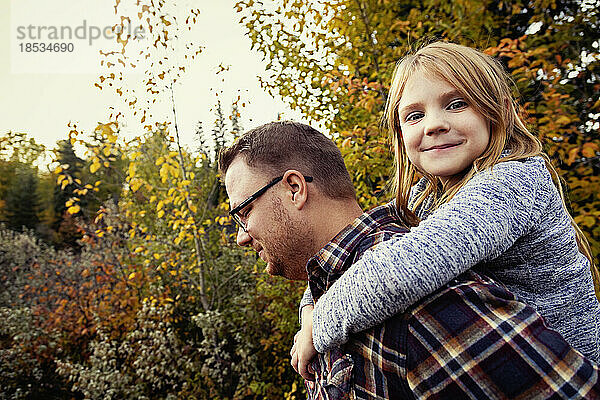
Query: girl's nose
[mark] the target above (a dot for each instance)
(435, 124)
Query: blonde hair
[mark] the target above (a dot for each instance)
(486, 87)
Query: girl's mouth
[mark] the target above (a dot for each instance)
(442, 146)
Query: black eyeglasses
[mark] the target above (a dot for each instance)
(235, 212)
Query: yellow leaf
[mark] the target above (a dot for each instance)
(131, 169)
(74, 209)
(135, 185)
(94, 167)
(138, 249)
(160, 214)
(589, 221)
(131, 276)
(99, 218)
(589, 150)
(164, 172)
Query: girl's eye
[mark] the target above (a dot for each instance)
(413, 116)
(457, 105)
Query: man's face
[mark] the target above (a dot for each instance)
(282, 240)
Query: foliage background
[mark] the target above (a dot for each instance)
(119, 274)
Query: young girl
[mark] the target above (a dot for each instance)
(489, 199)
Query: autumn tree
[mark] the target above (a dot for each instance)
(18, 147)
(333, 61)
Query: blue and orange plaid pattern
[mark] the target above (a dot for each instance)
(472, 339)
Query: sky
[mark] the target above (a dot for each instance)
(42, 93)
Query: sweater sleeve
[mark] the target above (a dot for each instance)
(306, 300)
(484, 219)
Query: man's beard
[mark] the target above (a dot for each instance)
(290, 245)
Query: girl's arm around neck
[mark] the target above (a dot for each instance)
(306, 300)
(481, 222)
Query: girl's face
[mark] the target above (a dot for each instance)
(442, 133)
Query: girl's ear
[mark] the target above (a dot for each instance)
(296, 188)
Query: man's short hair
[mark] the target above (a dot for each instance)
(276, 147)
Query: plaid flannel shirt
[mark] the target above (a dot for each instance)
(470, 339)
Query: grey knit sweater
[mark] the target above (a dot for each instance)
(508, 223)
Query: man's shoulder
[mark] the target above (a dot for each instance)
(385, 222)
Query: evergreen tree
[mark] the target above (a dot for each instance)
(19, 181)
(65, 155)
(64, 223)
(21, 199)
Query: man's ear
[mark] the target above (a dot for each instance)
(296, 188)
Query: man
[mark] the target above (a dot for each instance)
(295, 205)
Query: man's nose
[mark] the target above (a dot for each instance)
(436, 123)
(243, 238)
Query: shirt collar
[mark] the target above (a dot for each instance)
(334, 255)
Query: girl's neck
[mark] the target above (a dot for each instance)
(447, 182)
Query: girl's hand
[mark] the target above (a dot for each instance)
(303, 350)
